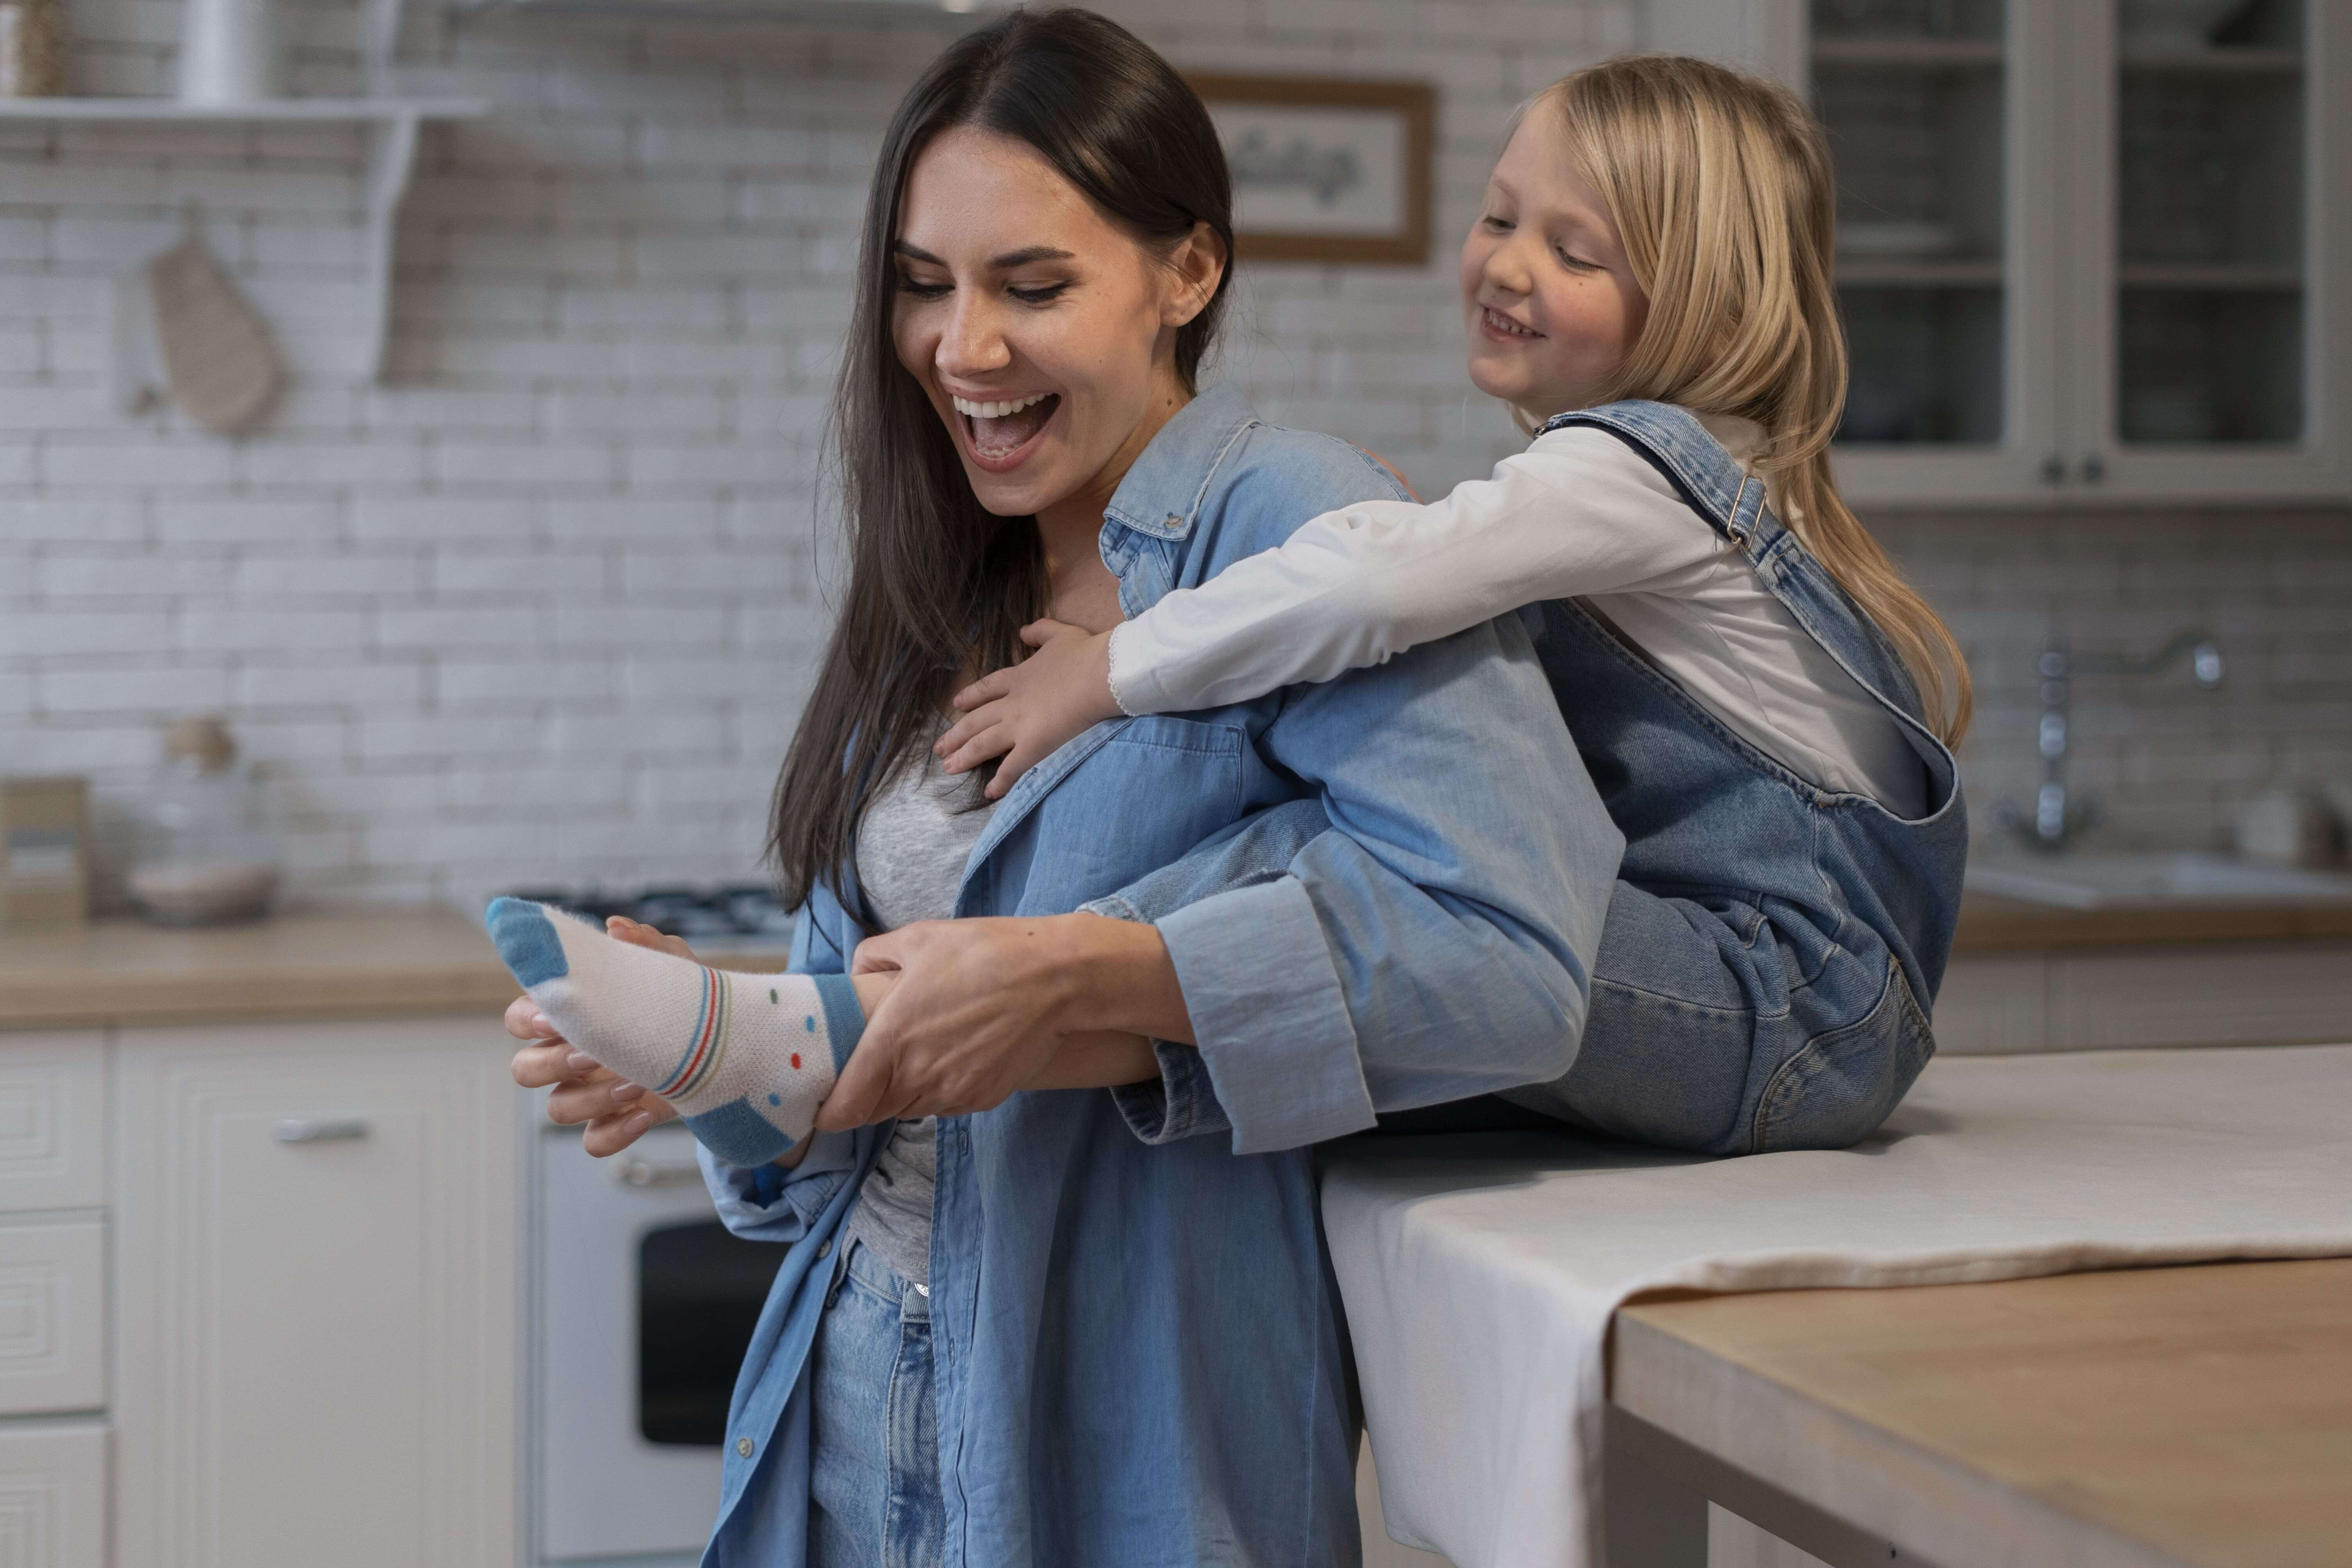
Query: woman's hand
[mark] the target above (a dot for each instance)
(1024, 713)
(986, 1007)
(616, 1111)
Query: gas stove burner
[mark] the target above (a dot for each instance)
(743, 916)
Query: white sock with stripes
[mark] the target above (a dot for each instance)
(746, 1058)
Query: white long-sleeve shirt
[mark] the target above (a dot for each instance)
(1580, 515)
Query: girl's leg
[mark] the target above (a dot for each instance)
(1728, 1027)
(875, 1498)
(1736, 1029)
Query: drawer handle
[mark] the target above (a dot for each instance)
(319, 1129)
(654, 1173)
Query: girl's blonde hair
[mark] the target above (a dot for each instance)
(1720, 189)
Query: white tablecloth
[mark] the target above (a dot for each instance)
(1480, 1273)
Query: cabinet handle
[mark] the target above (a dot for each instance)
(319, 1129)
(2054, 469)
(2095, 468)
(654, 1173)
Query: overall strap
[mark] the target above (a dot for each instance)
(1730, 498)
(1734, 503)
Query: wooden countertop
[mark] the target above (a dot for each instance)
(372, 964)
(2143, 1417)
(385, 962)
(2009, 925)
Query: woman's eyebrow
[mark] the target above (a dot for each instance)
(1004, 263)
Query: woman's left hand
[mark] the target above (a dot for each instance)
(985, 1006)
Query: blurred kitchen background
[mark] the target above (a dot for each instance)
(491, 552)
(541, 600)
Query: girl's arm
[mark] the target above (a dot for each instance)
(1577, 513)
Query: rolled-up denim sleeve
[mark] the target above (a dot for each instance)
(1437, 942)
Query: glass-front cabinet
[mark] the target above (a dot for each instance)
(2089, 250)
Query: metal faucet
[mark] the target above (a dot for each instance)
(2057, 818)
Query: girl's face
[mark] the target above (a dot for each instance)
(1552, 306)
(1043, 334)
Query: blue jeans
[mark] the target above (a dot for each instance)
(875, 1500)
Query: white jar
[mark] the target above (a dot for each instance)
(232, 51)
(212, 844)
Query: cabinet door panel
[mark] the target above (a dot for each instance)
(2250, 996)
(52, 1120)
(1994, 1004)
(318, 1230)
(52, 1318)
(53, 1496)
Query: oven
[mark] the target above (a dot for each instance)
(644, 1306)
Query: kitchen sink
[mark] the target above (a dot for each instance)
(2124, 882)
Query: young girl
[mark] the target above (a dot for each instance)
(1766, 706)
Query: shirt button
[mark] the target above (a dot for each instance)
(743, 1447)
(825, 1248)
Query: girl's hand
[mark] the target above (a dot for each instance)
(1026, 711)
(616, 1111)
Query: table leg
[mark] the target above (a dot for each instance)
(1650, 1519)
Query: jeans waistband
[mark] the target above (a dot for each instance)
(863, 1264)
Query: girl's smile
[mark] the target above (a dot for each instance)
(1503, 329)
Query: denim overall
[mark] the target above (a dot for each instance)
(1772, 948)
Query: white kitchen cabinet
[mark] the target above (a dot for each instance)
(52, 1318)
(2221, 995)
(53, 1496)
(52, 1120)
(317, 1303)
(2083, 261)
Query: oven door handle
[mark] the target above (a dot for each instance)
(634, 1172)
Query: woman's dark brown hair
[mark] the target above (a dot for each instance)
(935, 581)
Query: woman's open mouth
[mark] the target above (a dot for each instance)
(1001, 434)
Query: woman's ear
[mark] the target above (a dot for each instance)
(1195, 267)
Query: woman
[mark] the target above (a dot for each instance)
(1124, 1346)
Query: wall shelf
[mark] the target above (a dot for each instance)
(1930, 53)
(1859, 272)
(347, 111)
(391, 155)
(2219, 277)
(2230, 60)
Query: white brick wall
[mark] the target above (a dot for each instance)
(2168, 760)
(546, 606)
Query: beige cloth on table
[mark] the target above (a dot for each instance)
(1480, 1273)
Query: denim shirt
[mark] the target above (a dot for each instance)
(1140, 1351)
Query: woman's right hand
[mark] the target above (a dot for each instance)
(615, 1112)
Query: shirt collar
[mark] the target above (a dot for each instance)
(1162, 494)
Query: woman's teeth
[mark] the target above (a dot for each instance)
(1506, 326)
(966, 406)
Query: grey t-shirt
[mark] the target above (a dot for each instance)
(912, 849)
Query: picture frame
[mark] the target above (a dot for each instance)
(1327, 169)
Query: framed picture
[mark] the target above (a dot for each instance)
(1325, 169)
